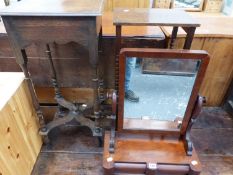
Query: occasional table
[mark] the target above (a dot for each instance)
(153, 17)
(46, 22)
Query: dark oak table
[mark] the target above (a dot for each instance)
(46, 22)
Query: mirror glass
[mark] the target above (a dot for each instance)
(188, 4)
(157, 92)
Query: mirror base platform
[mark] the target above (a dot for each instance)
(148, 154)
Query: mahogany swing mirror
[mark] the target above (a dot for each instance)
(156, 110)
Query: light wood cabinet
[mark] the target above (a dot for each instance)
(20, 141)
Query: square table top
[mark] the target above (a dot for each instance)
(154, 17)
(54, 8)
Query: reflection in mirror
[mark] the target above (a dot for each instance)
(188, 4)
(153, 94)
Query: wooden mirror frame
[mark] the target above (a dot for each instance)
(162, 54)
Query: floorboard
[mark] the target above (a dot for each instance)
(213, 117)
(73, 151)
(68, 164)
(216, 165)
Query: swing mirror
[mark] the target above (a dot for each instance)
(158, 91)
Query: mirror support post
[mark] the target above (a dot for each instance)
(196, 111)
(113, 97)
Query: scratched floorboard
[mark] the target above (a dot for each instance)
(216, 165)
(74, 152)
(68, 164)
(73, 139)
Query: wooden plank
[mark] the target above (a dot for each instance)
(213, 165)
(11, 147)
(18, 127)
(66, 139)
(73, 150)
(3, 169)
(68, 164)
(213, 117)
(212, 136)
(213, 141)
(220, 70)
(30, 123)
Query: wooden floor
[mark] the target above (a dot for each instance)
(74, 152)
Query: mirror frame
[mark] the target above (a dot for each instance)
(162, 54)
(189, 9)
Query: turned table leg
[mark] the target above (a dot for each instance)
(24, 67)
(189, 38)
(173, 37)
